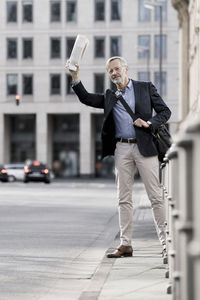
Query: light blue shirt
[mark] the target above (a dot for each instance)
(123, 122)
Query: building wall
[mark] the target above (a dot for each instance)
(42, 103)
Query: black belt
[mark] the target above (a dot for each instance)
(131, 141)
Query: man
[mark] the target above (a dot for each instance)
(130, 142)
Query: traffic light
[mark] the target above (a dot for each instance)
(17, 98)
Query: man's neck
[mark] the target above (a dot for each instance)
(122, 86)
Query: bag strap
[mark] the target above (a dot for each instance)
(126, 106)
(118, 94)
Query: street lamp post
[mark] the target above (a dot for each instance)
(152, 5)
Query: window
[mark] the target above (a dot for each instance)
(69, 89)
(115, 46)
(69, 45)
(71, 11)
(143, 46)
(55, 48)
(27, 11)
(99, 10)
(99, 83)
(27, 48)
(115, 10)
(164, 10)
(11, 84)
(157, 46)
(11, 11)
(11, 48)
(144, 13)
(55, 84)
(99, 47)
(55, 11)
(27, 84)
(164, 82)
(143, 76)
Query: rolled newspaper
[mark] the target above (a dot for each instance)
(78, 51)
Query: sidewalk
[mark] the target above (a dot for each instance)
(141, 277)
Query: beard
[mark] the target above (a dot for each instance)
(118, 79)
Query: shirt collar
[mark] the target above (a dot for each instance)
(129, 86)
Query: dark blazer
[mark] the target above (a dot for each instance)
(146, 99)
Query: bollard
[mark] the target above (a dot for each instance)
(173, 215)
(185, 226)
(194, 245)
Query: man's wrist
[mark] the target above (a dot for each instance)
(74, 83)
(75, 79)
(150, 124)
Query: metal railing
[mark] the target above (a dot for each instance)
(181, 193)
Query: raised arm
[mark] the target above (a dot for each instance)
(90, 99)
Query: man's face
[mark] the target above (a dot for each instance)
(117, 72)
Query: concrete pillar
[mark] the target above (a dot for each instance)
(4, 139)
(41, 137)
(87, 167)
(182, 7)
(1, 138)
(7, 139)
(49, 141)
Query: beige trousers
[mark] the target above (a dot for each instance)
(127, 157)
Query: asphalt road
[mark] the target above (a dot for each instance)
(53, 237)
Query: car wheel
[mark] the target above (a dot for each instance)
(11, 178)
(47, 181)
(25, 181)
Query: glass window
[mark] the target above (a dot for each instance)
(55, 48)
(143, 76)
(55, 11)
(115, 46)
(115, 10)
(99, 47)
(99, 83)
(143, 46)
(27, 11)
(11, 48)
(69, 89)
(163, 3)
(27, 48)
(22, 137)
(11, 11)
(65, 144)
(69, 46)
(99, 10)
(27, 84)
(144, 13)
(71, 11)
(55, 84)
(11, 84)
(157, 46)
(164, 82)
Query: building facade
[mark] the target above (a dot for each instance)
(37, 37)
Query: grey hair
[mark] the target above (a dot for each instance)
(121, 59)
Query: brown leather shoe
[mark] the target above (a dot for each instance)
(122, 251)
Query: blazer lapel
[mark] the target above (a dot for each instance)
(136, 88)
(111, 102)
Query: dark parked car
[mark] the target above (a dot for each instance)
(3, 174)
(36, 171)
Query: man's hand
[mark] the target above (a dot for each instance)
(141, 123)
(74, 74)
